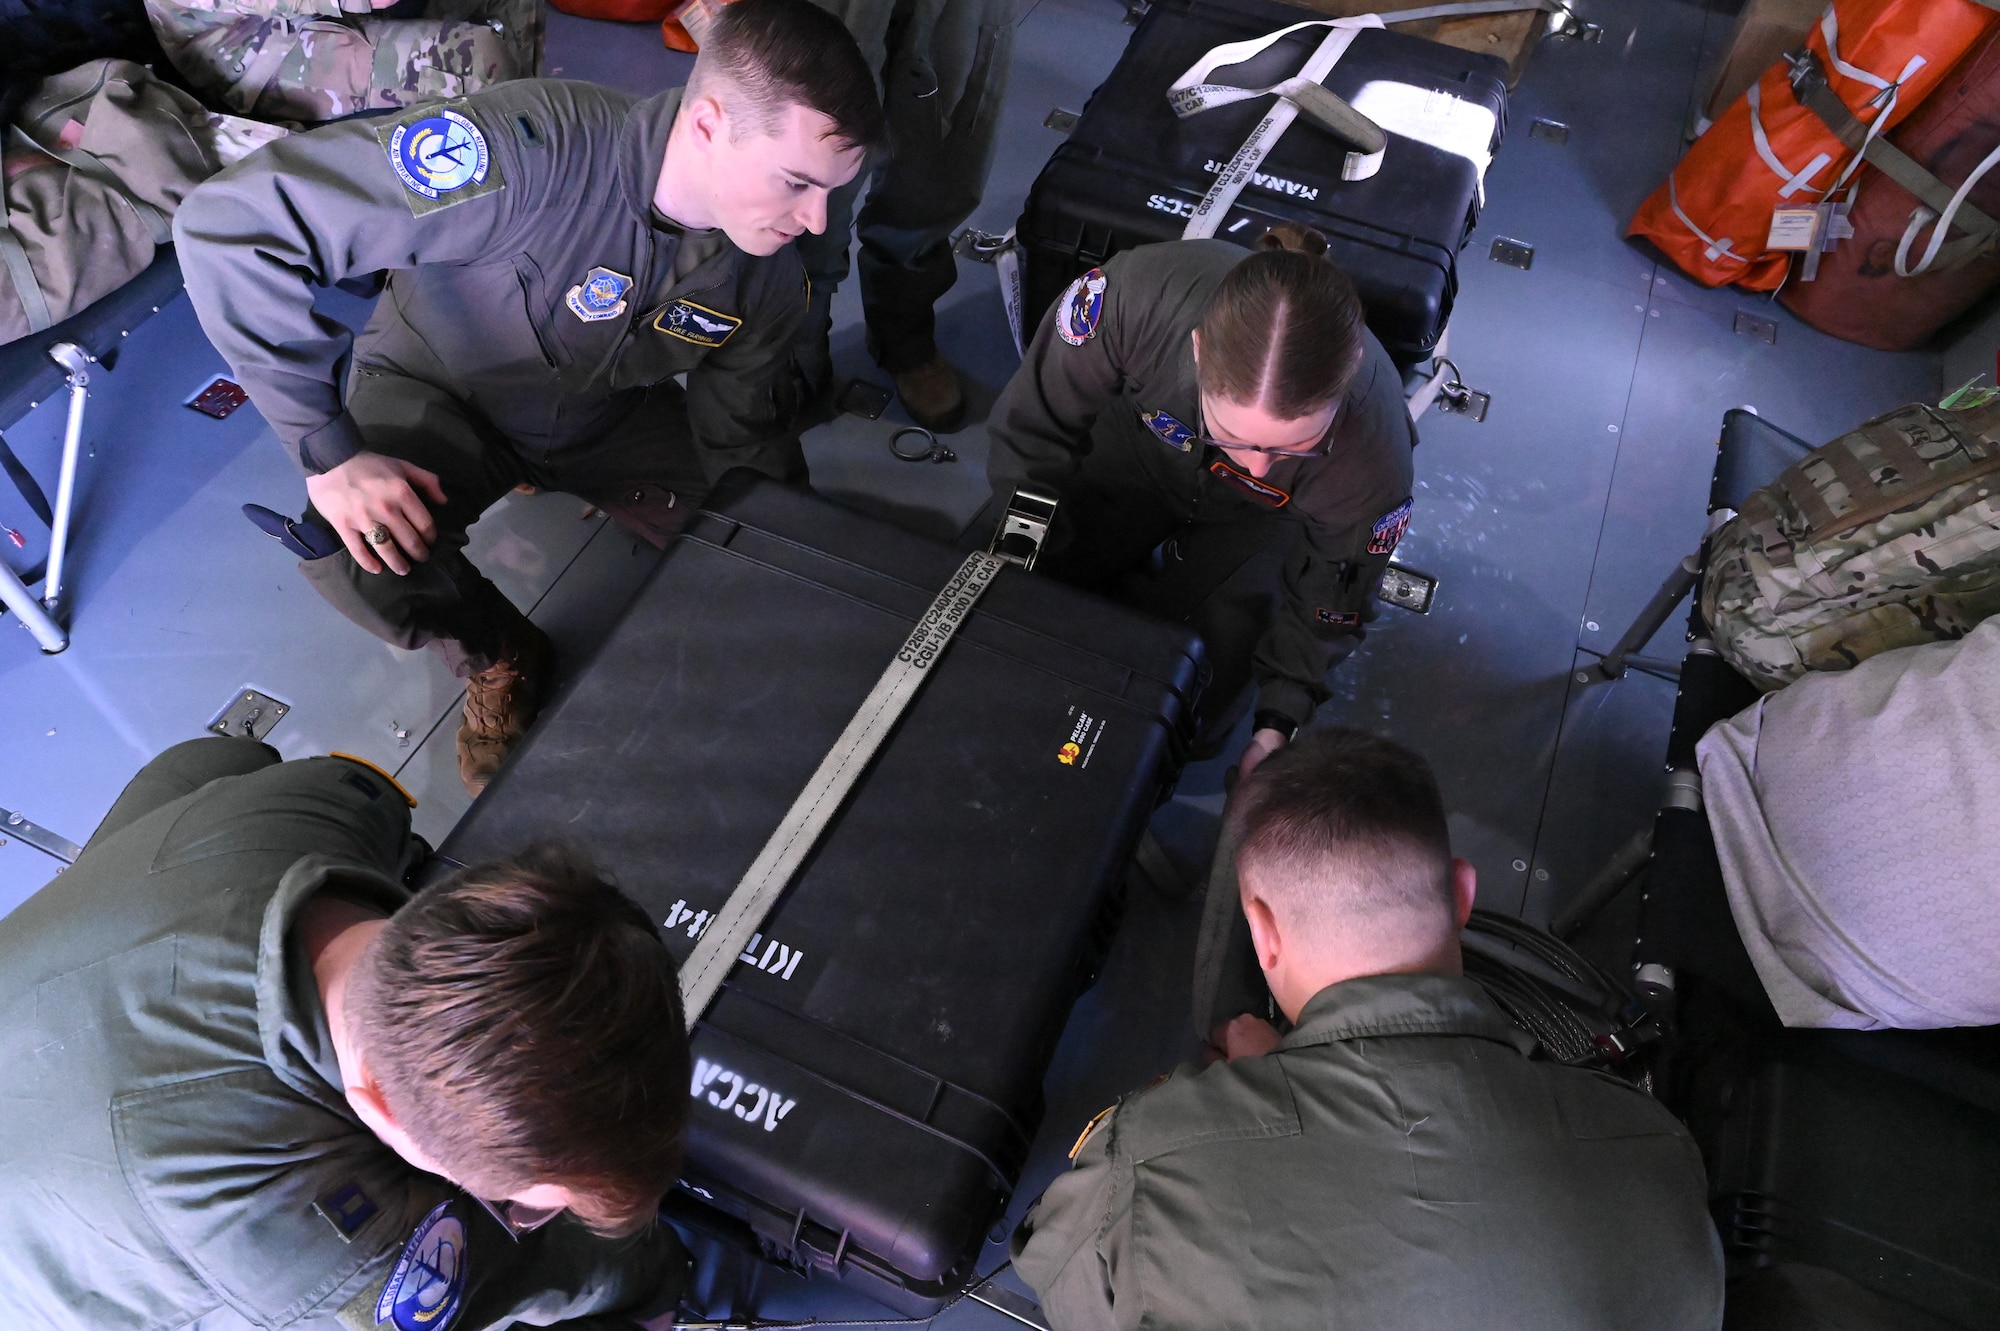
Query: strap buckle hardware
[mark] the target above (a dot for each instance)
(1023, 528)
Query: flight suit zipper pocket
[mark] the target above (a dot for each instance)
(529, 279)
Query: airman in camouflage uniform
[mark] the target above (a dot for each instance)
(314, 60)
(1887, 537)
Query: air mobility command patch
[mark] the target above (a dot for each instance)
(427, 1287)
(441, 157)
(1170, 431)
(601, 295)
(1080, 308)
(696, 323)
(1389, 529)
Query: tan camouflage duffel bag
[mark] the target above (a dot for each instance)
(1887, 537)
(91, 172)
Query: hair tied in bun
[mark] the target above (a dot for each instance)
(1293, 236)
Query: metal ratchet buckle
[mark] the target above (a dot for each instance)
(1023, 528)
(931, 451)
(980, 246)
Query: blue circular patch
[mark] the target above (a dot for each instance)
(428, 1284)
(439, 154)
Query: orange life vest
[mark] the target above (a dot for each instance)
(1882, 58)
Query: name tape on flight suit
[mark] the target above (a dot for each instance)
(442, 159)
(722, 942)
(1261, 491)
(696, 323)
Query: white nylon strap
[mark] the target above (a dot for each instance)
(771, 872)
(1007, 266)
(1717, 249)
(1829, 27)
(1923, 215)
(1193, 94)
(1881, 120)
(1794, 180)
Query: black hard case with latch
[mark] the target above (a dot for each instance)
(1131, 172)
(870, 1078)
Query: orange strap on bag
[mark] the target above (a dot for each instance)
(1712, 217)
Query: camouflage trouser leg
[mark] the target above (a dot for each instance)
(520, 26)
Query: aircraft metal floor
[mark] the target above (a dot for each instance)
(1549, 525)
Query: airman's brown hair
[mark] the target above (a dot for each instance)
(523, 1021)
(1346, 831)
(1283, 330)
(760, 56)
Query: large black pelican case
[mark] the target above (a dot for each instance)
(1131, 172)
(868, 1082)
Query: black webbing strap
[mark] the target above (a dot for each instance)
(1809, 85)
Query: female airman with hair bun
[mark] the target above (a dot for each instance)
(1231, 448)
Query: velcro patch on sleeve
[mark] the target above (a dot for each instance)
(1080, 309)
(1389, 529)
(425, 1290)
(441, 157)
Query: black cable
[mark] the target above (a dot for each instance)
(1564, 1024)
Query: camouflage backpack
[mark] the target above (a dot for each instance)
(1887, 537)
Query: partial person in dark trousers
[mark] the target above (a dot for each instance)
(252, 1081)
(1231, 448)
(559, 254)
(943, 66)
(1396, 1159)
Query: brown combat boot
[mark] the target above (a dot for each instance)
(501, 702)
(932, 396)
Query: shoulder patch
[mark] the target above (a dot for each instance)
(696, 323)
(1389, 529)
(1080, 308)
(1171, 432)
(441, 157)
(427, 1287)
(601, 295)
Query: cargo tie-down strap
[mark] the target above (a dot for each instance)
(1360, 128)
(1938, 201)
(765, 881)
